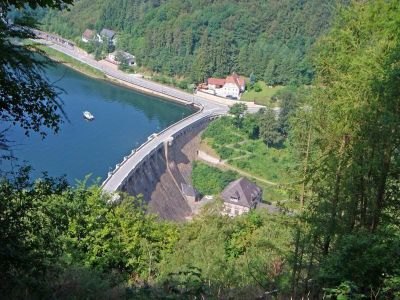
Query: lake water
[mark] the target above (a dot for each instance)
(123, 120)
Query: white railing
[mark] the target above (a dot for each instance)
(152, 86)
(159, 135)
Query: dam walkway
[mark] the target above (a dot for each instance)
(123, 171)
(207, 109)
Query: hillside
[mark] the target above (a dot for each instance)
(200, 38)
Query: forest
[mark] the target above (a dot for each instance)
(343, 242)
(198, 39)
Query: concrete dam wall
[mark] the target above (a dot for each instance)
(160, 176)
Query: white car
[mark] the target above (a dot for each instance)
(152, 136)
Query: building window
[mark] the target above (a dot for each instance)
(234, 199)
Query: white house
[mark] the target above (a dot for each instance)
(230, 87)
(240, 196)
(113, 58)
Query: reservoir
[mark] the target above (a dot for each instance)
(123, 121)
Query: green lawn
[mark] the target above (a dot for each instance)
(263, 97)
(210, 180)
(68, 60)
(251, 156)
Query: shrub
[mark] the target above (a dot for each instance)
(183, 84)
(257, 87)
(209, 180)
(225, 152)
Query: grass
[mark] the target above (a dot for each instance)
(210, 180)
(251, 156)
(263, 97)
(73, 63)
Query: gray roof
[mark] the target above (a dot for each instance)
(108, 33)
(126, 55)
(243, 190)
(188, 190)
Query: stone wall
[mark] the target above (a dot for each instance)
(160, 176)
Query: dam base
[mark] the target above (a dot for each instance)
(160, 177)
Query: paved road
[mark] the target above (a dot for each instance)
(209, 107)
(143, 83)
(114, 181)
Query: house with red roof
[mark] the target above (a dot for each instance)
(88, 35)
(229, 87)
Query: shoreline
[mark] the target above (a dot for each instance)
(109, 79)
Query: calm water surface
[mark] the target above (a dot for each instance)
(123, 120)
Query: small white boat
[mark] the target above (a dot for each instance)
(88, 116)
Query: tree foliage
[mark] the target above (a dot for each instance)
(238, 110)
(269, 127)
(211, 181)
(198, 39)
(351, 168)
(47, 228)
(27, 98)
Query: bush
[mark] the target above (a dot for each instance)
(221, 132)
(84, 283)
(209, 180)
(225, 152)
(183, 84)
(257, 87)
(242, 164)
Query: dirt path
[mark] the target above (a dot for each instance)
(222, 164)
(241, 172)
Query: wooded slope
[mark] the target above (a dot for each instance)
(200, 38)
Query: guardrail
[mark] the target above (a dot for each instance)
(135, 151)
(180, 95)
(69, 47)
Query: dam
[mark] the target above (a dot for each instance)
(160, 167)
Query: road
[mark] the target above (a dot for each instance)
(114, 181)
(208, 108)
(140, 82)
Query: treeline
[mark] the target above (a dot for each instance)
(59, 242)
(197, 39)
(344, 243)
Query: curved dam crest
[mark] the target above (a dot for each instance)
(160, 167)
(160, 174)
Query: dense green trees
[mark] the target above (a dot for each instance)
(48, 228)
(237, 111)
(198, 39)
(269, 127)
(351, 169)
(344, 243)
(239, 258)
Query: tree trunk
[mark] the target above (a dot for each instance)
(303, 188)
(335, 199)
(380, 195)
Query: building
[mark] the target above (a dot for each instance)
(129, 58)
(88, 35)
(109, 34)
(230, 87)
(189, 192)
(240, 196)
